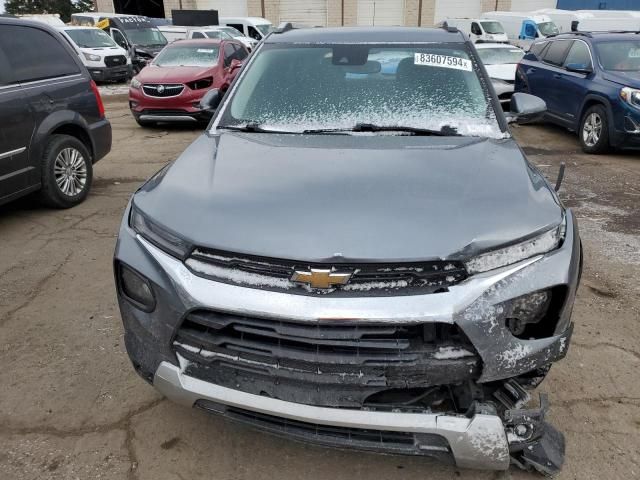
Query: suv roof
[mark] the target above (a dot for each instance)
(611, 35)
(367, 35)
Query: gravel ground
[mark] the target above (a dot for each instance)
(72, 407)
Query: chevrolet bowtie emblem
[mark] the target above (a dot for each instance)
(320, 278)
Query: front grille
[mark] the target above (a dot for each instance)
(351, 359)
(366, 279)
(162, 90)
(115, 61)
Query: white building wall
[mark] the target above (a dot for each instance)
(528, 5)
(225, 8)
(456, 8)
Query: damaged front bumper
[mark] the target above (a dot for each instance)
(343, 401)
(479, 440)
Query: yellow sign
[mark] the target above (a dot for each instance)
(102, 24)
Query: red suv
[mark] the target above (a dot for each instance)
(169, 89)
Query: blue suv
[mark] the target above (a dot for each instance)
(591, 83)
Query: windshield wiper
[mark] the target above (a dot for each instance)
(252, 127)
(445, 131)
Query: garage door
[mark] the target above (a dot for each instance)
(226, 8)
(528, 5)
(380, 12)
(456, 9)
(312, 13)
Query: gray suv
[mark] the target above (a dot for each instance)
(52, 123)
(357, 253)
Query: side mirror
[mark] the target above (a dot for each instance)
(211, 100)
(526, 108)
(579, 68)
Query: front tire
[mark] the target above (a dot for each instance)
(594, 130)
(67, 172)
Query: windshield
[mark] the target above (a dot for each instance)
(548, 28)
(298, 88)
(619, 56)
(493, 28)
(187, 56)
(232, 31)
(265, 28)
(90, 38)
(146, 37)
(499, 56)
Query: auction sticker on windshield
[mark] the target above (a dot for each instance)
(444, 61)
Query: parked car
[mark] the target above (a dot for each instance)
(501, 61)
(591, 85)
(53, 128)
(175, 32)
(170, 88)
(134, 33)
(104, 59)
(356, 259)
(253, 27)
(479, 29)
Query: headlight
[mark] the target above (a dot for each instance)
(502, 257)
(631, 96)
(135, 83)
(158, 235)
(91, 57)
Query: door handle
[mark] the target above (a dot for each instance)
(530, 70)
(557, 75)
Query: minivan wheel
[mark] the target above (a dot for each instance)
(67, 172)
(594, 130)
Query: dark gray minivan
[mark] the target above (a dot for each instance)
(52, 123)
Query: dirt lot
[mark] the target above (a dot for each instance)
(72, 407)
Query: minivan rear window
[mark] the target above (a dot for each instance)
(34, 54)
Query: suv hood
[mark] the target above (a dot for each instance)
(153, 74)
(368, 198)
(628, 79)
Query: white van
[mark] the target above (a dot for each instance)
(253, 27)
(175, 32)
(522, 28)
(591, 20)
(52, 19)
(479, 30)
(104, 59)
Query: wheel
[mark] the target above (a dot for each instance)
(594, 130)
(67, 172)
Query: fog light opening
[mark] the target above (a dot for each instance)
(136, 288)
(534, 315)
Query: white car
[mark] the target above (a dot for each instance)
(501, 61)
(175, 32)
(103, 57)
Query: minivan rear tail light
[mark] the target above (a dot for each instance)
(96, 92)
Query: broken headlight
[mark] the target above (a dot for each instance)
(159, 236)
(543, 243)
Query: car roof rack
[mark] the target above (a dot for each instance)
(449, 29)
(579, 33)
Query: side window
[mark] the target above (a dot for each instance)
(237, 26)
(475, 29)
(253, 33)
(556, 52)
(530, 31)
(118, 37)
(229, 53)
(538, 48)
(241, 52)
(4, 68)
(578, 54)
(34, 54)
(198, 35)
